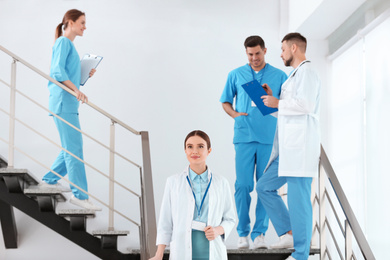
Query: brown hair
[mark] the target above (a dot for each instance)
(201, 134)
(73, 15)
(296, 38)
(253, 41)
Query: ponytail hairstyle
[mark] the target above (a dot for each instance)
(73, 15)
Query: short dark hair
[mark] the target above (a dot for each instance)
(296, 38)
(201, 134)
(253, 41)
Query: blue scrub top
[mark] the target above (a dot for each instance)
(65, 65)
(255, 127)
(199, 186)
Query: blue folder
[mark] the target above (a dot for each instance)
(255, 92)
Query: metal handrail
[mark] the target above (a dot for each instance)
(103, 112)
(346, 207)
(334, 239)
(147, 228)
(79, 159)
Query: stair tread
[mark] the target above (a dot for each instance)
(110, 232)
(267, 251)
(48, 191)
(24, 173)
(248, 251)
(57, 193)
(75, 212)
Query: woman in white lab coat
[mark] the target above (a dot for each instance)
(197, 212)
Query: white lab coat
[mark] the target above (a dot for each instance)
(297, 137)
(177, 211)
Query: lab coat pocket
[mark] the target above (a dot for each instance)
(294, 136)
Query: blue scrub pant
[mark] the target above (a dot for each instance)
(250, 157)
(72, 141)
(298, 216)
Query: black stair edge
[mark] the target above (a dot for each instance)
(77, 212)
(60, 225)
(3, 162)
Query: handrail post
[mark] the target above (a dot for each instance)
(12, 116)
(322, 210)
(112, 173)
(148, 214)
(348, 241)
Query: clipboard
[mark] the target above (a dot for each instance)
(255, 92)
(88, 62)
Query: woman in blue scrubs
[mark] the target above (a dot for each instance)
(197, 211)
(65, 68)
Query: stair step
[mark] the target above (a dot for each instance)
(110, 233)
(17, 179)
(47, 198)
(247, 254)
(78, 217)
(76, 212)
(109, 238)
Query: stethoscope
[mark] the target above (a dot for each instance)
(295, 71)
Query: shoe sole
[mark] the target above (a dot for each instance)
(261, 247)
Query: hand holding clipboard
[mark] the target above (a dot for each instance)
(88, 63)
(255, 92)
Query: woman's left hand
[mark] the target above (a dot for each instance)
(92, 72)
(213, 232)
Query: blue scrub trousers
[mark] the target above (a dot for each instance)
(72, 141)
(298, 216)
(250, 157)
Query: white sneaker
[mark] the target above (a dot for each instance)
(290, 258)
(259, 242)
(243, 243)
(84, 203)
(285, 241)
(57, 186)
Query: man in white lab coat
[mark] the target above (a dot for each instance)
(296, 150)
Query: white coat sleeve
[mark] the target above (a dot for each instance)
(228, 217)
(306, 95)
(165, 224)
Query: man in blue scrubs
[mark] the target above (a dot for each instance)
(253, 135)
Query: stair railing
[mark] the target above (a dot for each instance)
(147, 227)
(351, 228)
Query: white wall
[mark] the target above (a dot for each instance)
(165, 65)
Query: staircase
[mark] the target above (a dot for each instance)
(40, 205)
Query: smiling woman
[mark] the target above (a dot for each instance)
(197, 209)
(65, 68)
